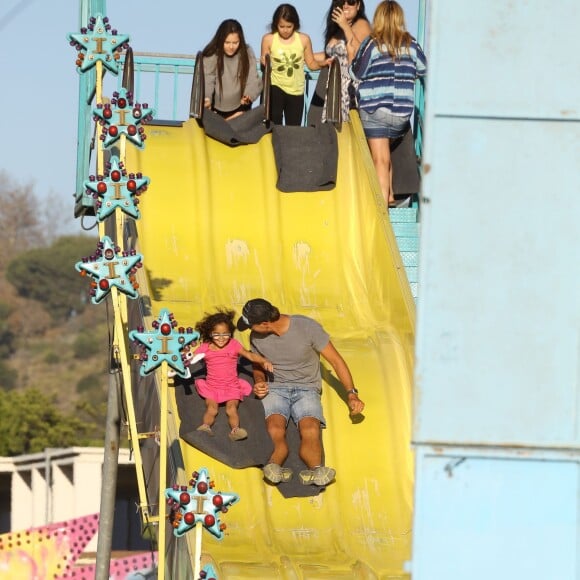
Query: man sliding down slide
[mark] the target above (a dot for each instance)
(294, 343)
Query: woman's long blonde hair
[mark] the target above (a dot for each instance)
(389, 28)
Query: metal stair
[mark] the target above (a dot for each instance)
(405, 224)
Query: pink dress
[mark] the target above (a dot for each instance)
(222, 382)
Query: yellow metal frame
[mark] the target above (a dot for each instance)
(122, 355)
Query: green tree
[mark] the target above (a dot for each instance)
(92, 384)
(48, 275)
(86, 344)
(7, 337)
(8, 377)
(94, 416)
(31, 422)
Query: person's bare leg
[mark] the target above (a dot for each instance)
(211, 411)
(237, 433)
(311, 454)
(232, 413)
(381, 154)
(276, 426)
(310, 443)
(391, 197)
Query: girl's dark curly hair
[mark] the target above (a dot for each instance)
(206, 325)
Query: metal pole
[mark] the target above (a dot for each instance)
(162, 523)
(422, 24)
(109, 479)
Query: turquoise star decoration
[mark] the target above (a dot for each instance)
(116, 190)
(163, 343)
(210, 573)
(122, 117)
(110, 268)
(198, 503)
(97, 43)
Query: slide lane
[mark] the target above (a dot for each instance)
(216, 231)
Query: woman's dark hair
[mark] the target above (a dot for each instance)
(206, 325)
(216, 47)
(285, 12)
(333, 30)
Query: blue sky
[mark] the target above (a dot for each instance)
(39, 96)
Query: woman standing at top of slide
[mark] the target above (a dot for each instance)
(346, 27)
(387, 64)
(289, 49)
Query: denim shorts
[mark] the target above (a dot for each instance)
(293, 401)
(382, 124)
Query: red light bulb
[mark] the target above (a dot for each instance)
(165, 328)
(209, 520)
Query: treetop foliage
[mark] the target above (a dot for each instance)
(31, 422)
(48, 275)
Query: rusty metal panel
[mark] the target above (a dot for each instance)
(493, 516)
(499, 275)
(496, 418)
(498, 324)
(504, 58)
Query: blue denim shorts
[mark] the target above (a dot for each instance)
(382, 124)
(293, 401)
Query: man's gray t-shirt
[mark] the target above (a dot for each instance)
(295, 354)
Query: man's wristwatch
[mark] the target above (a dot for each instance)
(352, 391)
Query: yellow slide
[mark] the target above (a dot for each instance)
(215, 231)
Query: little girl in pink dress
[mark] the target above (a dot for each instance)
(222, 383)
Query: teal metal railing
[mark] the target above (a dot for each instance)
(169, 83)
(419, 115)
(85, 126)
(168, 77)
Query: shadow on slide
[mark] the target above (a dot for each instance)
(215, 231)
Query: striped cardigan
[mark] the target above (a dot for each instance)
(385, 82)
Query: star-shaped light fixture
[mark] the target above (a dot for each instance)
(115, 190)
(110, 268)
(208, 572)
(198, 503)
(97, 43)
(163, 343)
(122, 117)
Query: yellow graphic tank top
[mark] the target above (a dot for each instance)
(288, 64)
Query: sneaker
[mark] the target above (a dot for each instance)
(400, 202)
(320, 475)
(275, 473)
(206, 429)
(238, 433)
